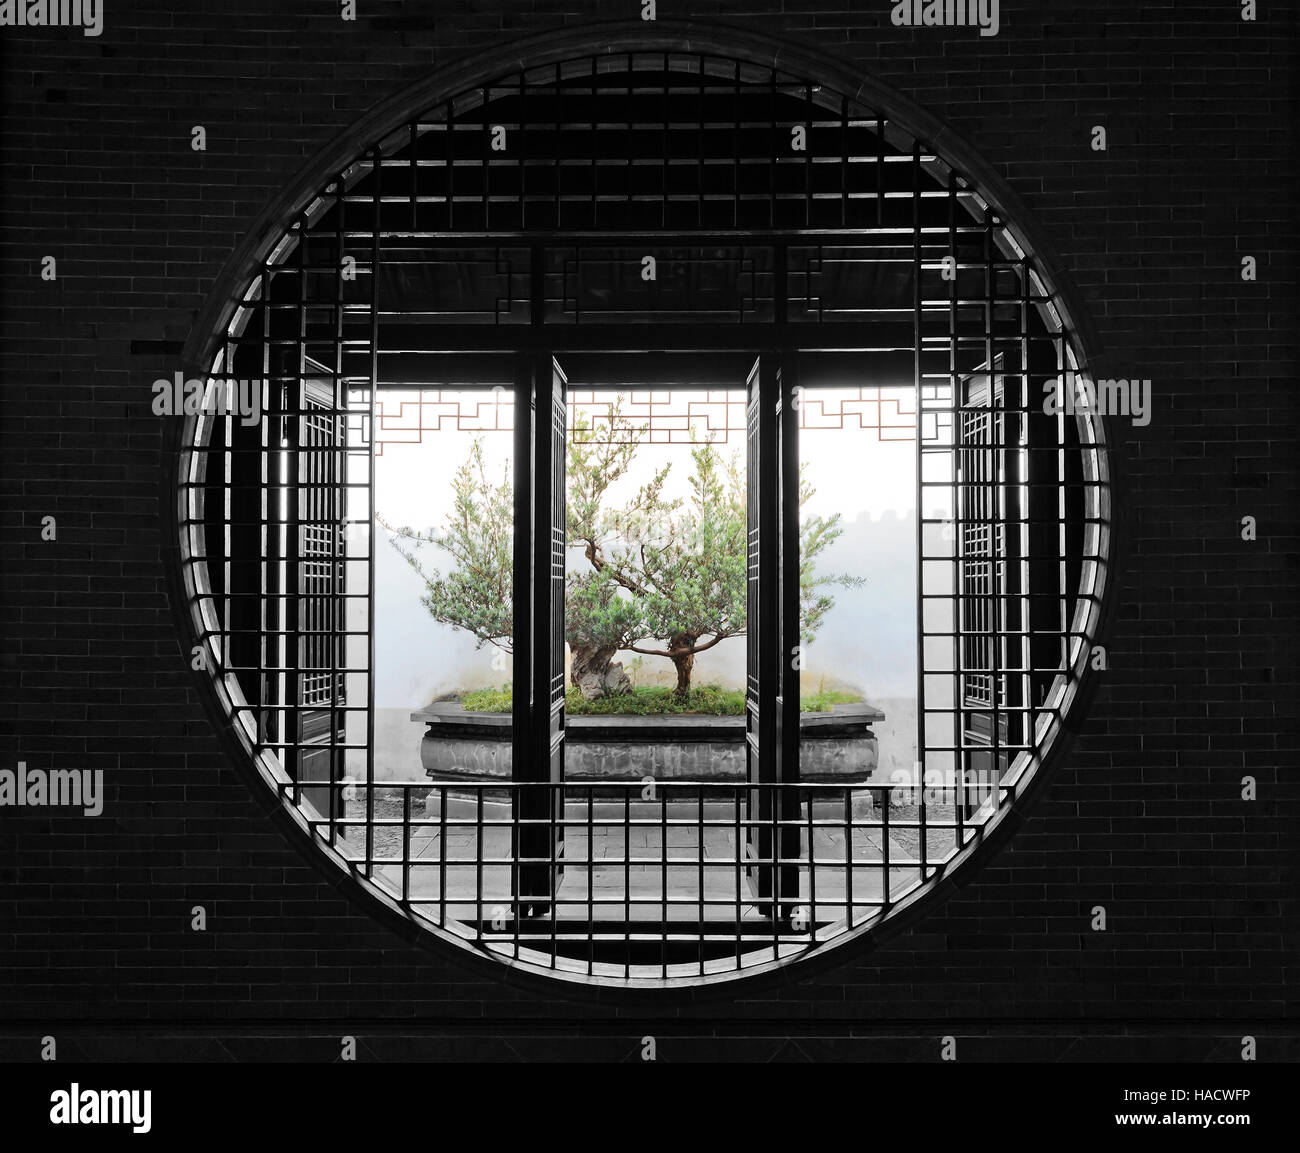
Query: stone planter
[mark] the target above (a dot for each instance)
(837, 746)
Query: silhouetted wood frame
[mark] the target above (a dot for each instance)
(537, 746)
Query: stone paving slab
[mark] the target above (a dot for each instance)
(628, 878)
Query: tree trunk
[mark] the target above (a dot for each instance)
(684, 662)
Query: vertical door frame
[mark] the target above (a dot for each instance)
(790, 655)
(762, 656)
(537, 713)
(772, 722)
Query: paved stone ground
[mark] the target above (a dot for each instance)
(629, 878)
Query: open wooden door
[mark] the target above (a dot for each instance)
(991, 571)
(303, 575)
(772, 628)
(321, 596)
(785, 738)
(760, 635)
(538, 746)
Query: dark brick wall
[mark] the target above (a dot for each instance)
(1144, 816)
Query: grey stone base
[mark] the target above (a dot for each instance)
(837, 746)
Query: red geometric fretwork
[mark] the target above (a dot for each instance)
(650, 416)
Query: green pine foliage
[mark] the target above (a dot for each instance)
(663, 578)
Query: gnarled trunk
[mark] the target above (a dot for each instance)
(683, 658)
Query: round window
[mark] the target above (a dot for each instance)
(635, 519)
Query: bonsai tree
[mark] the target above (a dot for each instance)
(475, 595)
(667, 570)
(688, 565)
(598, 623)
(604, 612)
(478, 537)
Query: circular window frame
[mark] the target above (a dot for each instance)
(1075, 688)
